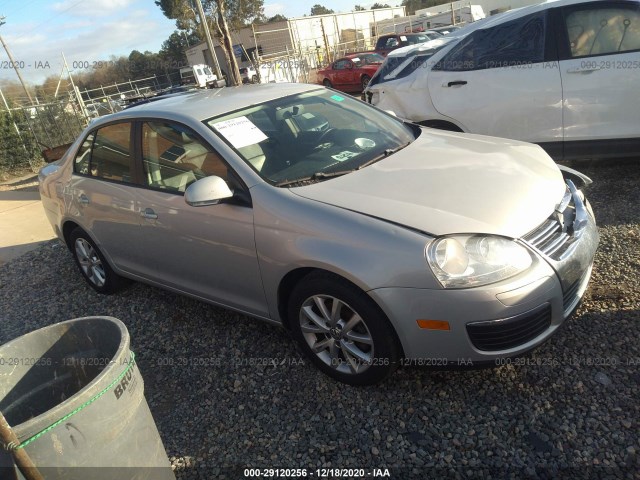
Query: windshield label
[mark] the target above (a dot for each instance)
(240, 132)
(337, 98)
(346, 155)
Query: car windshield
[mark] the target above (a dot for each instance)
(313, 136)
(413, 39)
(399, 66)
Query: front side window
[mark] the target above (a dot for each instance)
(519, 42)
(311, 136)
(111, 153)
(341, 65)
(174, 157)
(599, 31)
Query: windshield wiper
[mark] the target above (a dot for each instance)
(324, 175)
(385, 154)
(314, 177)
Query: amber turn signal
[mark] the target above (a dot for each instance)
(433, 324)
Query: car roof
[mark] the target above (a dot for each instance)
(204, 104)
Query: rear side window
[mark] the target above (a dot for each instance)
(106, 153)
(519, 42)
(81, 162)
(600, 31)
(111, 153)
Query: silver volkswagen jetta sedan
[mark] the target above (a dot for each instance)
(371, 239)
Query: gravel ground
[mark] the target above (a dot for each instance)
(229, 392)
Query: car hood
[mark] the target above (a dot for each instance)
(446, 183)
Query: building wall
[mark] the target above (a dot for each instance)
(318, 38)
(488, 6)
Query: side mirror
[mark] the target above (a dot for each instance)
(207, 191)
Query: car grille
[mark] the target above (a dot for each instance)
(550, 237)
(498, 335)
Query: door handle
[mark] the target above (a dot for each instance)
(149, 214)
(582, 69)
(83, 199)
(455, 82)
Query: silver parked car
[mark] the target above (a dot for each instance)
(373, 240)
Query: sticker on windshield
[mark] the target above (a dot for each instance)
(403, 38)
(346, 155)
(240, 132)
(337, 98)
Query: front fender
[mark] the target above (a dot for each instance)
(294, 232)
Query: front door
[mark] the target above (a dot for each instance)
(497, 82)
(205, 251)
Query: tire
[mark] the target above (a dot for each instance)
(327, 83)
(366, 361)
(92, 265)
(364, 81)
(254, 79)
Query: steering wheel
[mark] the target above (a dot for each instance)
(324, 135)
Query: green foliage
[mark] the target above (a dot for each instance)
(412, 5)
(277, 18)
(14, 154)
(380, 5)
(320, 10)
(359, 8)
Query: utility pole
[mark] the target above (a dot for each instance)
(13, 63)
(207, 34)
(76, 91)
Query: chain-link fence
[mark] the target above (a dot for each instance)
(31, 134)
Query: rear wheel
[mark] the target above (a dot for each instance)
(93, 266)
(342, 330)
(327, 83)
(365, 81)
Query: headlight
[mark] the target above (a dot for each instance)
(462, 261)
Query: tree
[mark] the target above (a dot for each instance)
(412, 5)
(320, 10)
(222, 16)
(173, 50)
(359, 8)
(380, 5)
(277, 18)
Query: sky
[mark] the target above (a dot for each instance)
(89, 31)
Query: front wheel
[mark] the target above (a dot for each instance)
(342, 330)
(365, 81)
(327, 83)
(92, 264)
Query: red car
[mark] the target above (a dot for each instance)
(350, 73)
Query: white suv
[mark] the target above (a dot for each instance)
(564, 74)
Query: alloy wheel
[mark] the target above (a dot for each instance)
(336, 334)
(90, 262)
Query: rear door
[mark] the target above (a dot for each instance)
(600, 68)
(102, 192)
(503, 81)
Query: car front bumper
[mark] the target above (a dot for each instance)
(495, 321)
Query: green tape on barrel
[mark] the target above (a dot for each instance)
(33, 438)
